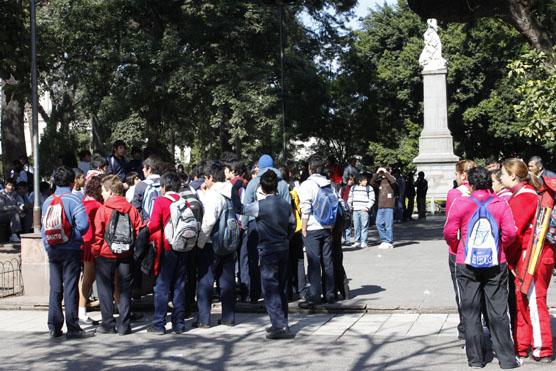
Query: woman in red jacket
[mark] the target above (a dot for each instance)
(92, 201)
(532, 328)
(463, 189)
(111, 259)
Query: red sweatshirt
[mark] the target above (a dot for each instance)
(159, 217)
(91, 207)
(102, 218)
(524, 207)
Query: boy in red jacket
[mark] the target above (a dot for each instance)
(113, 252)
(171, 263)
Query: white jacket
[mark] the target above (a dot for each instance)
(213, 200)
(308, 191)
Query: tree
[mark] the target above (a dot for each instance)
(534, 19)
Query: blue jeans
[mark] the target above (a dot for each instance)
(171, 275)
(318, 246)
(210, 267)
(361, 226)
(274, 267)
(384, 221)
(65, 268)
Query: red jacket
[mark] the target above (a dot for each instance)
(453, 194)
(524, 207)
(461, 211)
(159, 217)
(91, 207)
(102, 218)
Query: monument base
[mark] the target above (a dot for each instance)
(34, 266)
(440, 177)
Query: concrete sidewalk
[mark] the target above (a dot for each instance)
(399, 341)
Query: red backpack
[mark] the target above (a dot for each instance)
(57, 229)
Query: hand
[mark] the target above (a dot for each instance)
(366, 210)
(381, 170)
(304, 232)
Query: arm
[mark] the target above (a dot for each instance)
(371, 199)
(374, 180)
(507, 225)
(452, 227)
(350, 197)
(99, 228)
(284, 191)
(212, 213)
(138, 195)
(155, 222)
(80, 218)
(305, 205)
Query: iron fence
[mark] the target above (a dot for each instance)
(11, 282)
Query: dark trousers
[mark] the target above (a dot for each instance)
(171, 275)
(421, 207)
(453, 267)
(338, 259)
(493, 284)
(65, 268)
(105, 270)
(213, 267)
(190, 279)
(296, 267)
(249, 262)
(273, 278)
(410, 206)
(318, 245)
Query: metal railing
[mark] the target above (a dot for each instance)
(11, 281)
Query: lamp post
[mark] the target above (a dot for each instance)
(34, 120)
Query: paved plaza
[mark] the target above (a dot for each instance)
(402, 318)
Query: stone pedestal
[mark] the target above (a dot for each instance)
(436, 148)
(34, 265)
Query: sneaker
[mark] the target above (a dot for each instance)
(15, 238)
(385, 246)
(88, 321)
(55, 334)
(105, 330)
(363, 245)
(269, 329)
(282, 333)
(79, 335)
(127, 331)
(306, 305)
(226, 323)
(355, 244)
(196, 324)
(156, 330)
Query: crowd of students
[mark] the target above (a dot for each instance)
(490, 224)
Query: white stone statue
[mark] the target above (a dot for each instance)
(431, 56)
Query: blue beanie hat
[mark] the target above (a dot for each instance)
(265, 161)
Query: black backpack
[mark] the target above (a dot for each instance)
(119, 234)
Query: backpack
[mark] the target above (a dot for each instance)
(57, 228)
(325, 206)
(226, 233)
(182, 229)
(119, 234)
(151, 193)
(483, 243)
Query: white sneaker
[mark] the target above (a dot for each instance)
(14, 238)
(385, 246)
(87, 321)
(355, 244)
(363, 245)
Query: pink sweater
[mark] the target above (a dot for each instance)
(461, 211)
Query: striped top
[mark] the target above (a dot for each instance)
(361, 197)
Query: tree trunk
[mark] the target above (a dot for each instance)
(524, 20)
(13, 134)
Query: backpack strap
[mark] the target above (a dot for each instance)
(483, 203)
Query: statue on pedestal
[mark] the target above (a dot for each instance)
(431, 56)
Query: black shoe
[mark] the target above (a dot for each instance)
(346, 293)
(269, 329)
(55, 334)
(226, 323)
(105, 330)
(543, 359)
(179, 331)
(196, 324)
(156, 330)
(127, 331)
(134, 317)
(282, 333)
(79, 335)
(306, 305)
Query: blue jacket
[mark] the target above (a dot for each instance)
(250, 194)
(76, 215)
(275, 221)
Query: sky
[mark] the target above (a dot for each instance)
(363, 6)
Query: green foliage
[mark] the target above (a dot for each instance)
(535, 77)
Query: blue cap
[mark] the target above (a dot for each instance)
(265, 161)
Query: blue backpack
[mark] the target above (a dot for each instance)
(482, 244)
(226, 233)
(325, 206)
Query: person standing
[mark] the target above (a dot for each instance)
(117, 164)
(350, 170)
(532, 328)
(275, 225)
(422, 186)
(483, 279)
(361, 200)
(11, 209)
(536, 168)
(316, 235)
(409, 197)
(117, 224)
(64, 223)
(386, 185)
